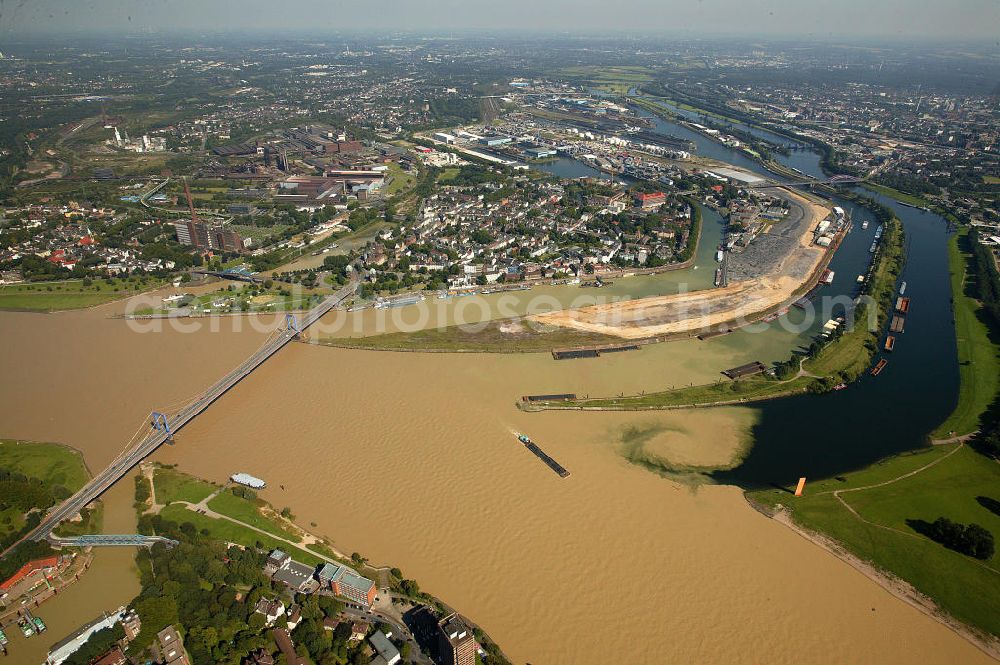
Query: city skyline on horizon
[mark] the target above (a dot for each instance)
(974, 21)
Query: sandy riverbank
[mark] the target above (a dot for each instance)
(702, 310)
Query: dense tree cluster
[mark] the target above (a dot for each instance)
(25, 492)
(987, 276)
(32, 497)
(970, 539)
(208, 590)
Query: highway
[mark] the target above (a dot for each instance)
(125, 462)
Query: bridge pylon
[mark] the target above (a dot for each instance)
(161, 423)
(292, 324)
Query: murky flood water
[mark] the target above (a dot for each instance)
(410, 459)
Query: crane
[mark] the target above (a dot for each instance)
(187, 193)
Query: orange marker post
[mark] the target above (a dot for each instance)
(801, 486)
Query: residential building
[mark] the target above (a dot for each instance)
(284, 642)
(649, 201)
(275, 560)
(271, 608)
(456, 642)
(259, 657)
(113, 657)
(169, 648)
(293, 617)
(358, 631)
(132, 624)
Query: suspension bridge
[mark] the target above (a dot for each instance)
(165, 425)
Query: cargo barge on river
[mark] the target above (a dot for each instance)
(549, 462)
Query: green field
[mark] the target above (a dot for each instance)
(752, 389)
(898, 195)
(244, 510)
(490, 339)
(70, 294)
(449, 173)
(978, 354)
(224, 301)
(171, 485)
(52, 463)
(234, 533)
(259, 233)
(399, 180)
(956, 486)
(610, 73)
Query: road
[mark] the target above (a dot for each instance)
(125, 462)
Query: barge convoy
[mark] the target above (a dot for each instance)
(551, 463)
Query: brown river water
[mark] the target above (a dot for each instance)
(410, 459)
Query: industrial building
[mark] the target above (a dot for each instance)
(332, 184)
(210, 236)
(493, 141)
(539, 153)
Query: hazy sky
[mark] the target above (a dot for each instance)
(831, 19)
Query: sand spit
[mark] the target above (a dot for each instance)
(702, 310)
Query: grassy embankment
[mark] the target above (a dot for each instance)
(60, 470)
(903, 197)
(978, 353)
(503, 336)
(842, 360)
(892, 507)
(172, 487)
(69, 294)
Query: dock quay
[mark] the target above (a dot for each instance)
(559, 397)
(804, 301)
(542, 455)
(591, 352)
(572, 354)
(713, 333)
(750, 369)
